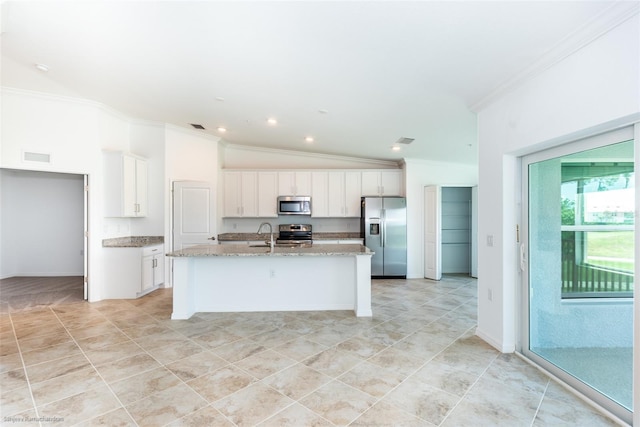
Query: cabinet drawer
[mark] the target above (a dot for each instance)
(152, 250)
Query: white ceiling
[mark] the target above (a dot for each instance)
(355, 75)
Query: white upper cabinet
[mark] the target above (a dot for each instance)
(240, 194)
(267, 194)
(344, 193)
(382, 183)
(125, 185)
(320, 199)
(294, 183)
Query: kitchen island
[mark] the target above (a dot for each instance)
(235, 278)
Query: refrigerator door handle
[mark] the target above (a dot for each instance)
(383, 228)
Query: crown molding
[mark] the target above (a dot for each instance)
(375, 162)
(615, 15)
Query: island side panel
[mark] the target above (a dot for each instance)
(183, 288)
(363, 286)
(274, 283)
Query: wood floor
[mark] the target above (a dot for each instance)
(25, 293)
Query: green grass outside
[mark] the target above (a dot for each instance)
(616, 245)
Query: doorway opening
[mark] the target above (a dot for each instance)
(43, 257)
(450, 231)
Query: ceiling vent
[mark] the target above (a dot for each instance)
(405, 141)
(197, 126)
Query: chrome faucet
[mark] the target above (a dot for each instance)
(271, 241)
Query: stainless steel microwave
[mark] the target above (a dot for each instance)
(294, 205)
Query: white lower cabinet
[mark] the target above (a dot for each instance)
(132, 272)
(152, 267)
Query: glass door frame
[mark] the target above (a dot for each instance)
(523, 291)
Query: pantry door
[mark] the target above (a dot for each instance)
(193, 214)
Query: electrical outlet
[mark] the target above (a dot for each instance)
(490, 240)
(272, 273)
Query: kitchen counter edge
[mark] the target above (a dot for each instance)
(248, 251)
(132, 241)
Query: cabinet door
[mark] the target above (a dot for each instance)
(319, 194)
(370, 183)
(303, 183)
(267, 194)
(158, 270)
(336, 194)
(141, 188)
(129, 207)
(352, 194)
(232, 194)
(391, 183)
(147, 272)
(249, 194)
(286, 183)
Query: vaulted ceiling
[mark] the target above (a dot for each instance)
(356, 76)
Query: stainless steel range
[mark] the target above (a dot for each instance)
(295, 235)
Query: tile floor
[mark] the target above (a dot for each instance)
(415, 363)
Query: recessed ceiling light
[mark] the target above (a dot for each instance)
(272, 121)
(395, 148)
(219, 98)
(322, 111)
(222, 129)
(42, 67)
(308, 139)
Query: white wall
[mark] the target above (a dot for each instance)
(42, 224)
(189, 156)
(418, 174)
(595, 88)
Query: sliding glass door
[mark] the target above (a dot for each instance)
(579, 237)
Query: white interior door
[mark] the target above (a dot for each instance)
(193, 214)
(432, 232)
(85, 252)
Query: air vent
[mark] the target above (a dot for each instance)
(197, 126)
(30, 156)
(405, 141)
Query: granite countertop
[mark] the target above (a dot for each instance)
(248, 251)
(132, 241)
(247, 237)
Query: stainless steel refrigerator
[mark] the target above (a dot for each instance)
(383, 226)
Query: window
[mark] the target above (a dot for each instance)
(597, 229)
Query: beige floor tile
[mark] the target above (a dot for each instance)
(161, 340)
(65, 386)
(207, 416)
(116, 418)
(196, 365)
(372, 379)
(384, 415)
(361, 346)
(239, 350)
(555, 412)
(263, 364)
(10, 362)
(300, 348)
(43, 341)
(127, 367)
(422, 401)
(112, 353)
(15, 401)
(252, 404)
(329, 336)
(93, 331)
(81, 407)
(445, 377)
(100, 341)
(173, 352)
(14, 379)
(166, 406)
(338, 402)
(142, 385)
(31, 332)
(27, 419)
(216, 338)
(398, 361)
(332, 362)
(8, 344)
(296, 415)
(219, 384)
(297, 381)
(471, 414)
(56, 368)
